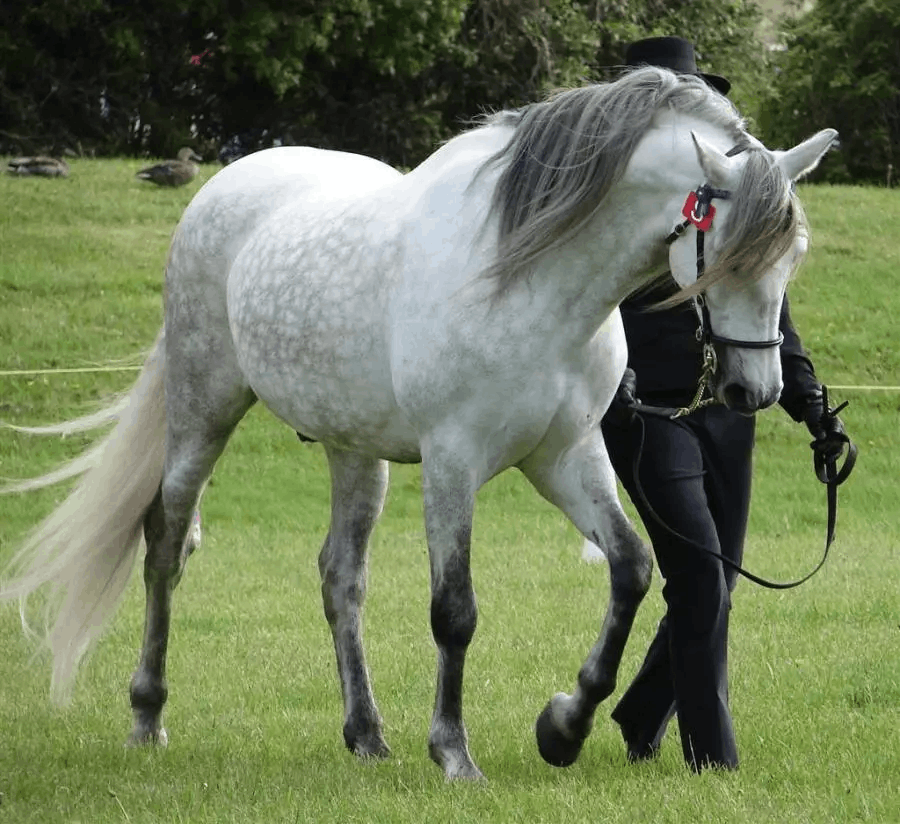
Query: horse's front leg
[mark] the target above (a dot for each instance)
(449, 493)
(580, 481)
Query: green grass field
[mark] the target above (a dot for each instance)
(254, 714)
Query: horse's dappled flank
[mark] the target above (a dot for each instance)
(568, 151)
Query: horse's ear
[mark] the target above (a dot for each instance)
(716, 166)
(804, 158)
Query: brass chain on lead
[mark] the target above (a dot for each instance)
(706, 375)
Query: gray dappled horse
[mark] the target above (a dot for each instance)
(462, 315)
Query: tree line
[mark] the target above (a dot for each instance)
(392, 78)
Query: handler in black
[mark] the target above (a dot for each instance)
(695, 472)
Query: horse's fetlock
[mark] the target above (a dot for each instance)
(596, 686)
(147, 694)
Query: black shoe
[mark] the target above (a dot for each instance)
(637, 747)
(715, 766)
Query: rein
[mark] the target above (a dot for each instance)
(698, 211)
(825, 467)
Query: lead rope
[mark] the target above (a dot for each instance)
(826, 471)
(825, 467)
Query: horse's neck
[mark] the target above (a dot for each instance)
(575, 287)
(579, 285)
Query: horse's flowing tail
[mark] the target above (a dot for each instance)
(80, 464)
(85, 550)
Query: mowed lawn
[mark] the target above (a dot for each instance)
(254, 714)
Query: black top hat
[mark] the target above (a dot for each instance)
(674, 53)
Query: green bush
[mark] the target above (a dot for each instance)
(386, 79)
(841, 68)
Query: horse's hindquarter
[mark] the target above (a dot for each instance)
(228, 211)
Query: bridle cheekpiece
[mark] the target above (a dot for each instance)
(698, 211)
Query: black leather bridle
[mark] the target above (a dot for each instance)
(698, 211)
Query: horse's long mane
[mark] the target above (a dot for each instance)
(568, 151)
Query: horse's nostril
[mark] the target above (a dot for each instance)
(736, 398)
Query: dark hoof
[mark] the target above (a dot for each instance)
(366, 744)
(376, 749)
(142, 737)
(555, 748)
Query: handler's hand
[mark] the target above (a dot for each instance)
(829, 436)
(621, 410)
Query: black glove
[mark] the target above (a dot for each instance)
(829, 437)
(621, 410)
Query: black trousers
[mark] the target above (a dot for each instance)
(695, 473)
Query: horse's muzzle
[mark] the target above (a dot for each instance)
(739, 399)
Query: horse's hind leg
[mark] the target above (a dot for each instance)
(193, 444)
(358, 488)
(580, 481)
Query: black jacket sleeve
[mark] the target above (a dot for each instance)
(800, 382)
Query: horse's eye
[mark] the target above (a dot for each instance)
(788, 217)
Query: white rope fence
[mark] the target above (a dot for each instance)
(865, 388)
(19, 373)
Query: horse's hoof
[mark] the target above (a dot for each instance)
(465, 772)
(366, 741)
(374, 748)
(148, 738)
(555, 748)
(455, 761)
(457, 766)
